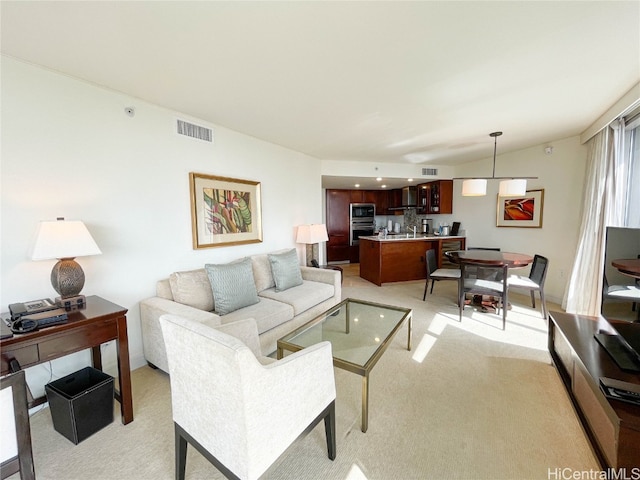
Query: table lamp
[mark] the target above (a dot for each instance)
(64, 240)
(312, 235)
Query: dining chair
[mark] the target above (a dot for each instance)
(493, 282)
(534, 282)
(237, 409)
(481, 272)
(436, 274)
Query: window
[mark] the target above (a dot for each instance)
(632, 155)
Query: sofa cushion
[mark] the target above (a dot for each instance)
(302, 297)
(192, 288)
(285, 269)
(232, 285)
(267, 313)
(262, 272)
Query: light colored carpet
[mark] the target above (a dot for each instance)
(470, 401)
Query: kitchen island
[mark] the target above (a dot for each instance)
(399, 258)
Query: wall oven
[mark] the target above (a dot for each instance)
(362, 222)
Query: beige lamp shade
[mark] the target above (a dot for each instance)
(311, 234)
(474, 187)
(513, 187)
(64, 240)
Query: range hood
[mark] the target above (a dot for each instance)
(409, 199)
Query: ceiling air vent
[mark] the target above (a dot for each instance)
(429, 171)
(195, 131)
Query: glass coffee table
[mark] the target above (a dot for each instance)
(359, 333)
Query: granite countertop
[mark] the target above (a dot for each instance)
(403, 236)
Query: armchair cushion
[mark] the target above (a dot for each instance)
(286, 270)
(233, 285)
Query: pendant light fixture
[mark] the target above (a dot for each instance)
(509, 186)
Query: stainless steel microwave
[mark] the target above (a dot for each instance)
(363, 210)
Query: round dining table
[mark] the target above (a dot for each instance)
(628, 266)
(492, 258)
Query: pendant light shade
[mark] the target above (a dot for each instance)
(477, 187)
(474, 187)
(513, 187)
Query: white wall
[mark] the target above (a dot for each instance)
(68, 149)
(562, 176)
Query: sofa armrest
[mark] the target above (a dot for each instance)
(152, 340)
(324, 275)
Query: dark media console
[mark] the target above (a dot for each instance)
(613, 426)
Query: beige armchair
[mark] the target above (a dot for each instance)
(236, 411)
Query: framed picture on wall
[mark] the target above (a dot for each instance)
(524, 211)
(224, 211)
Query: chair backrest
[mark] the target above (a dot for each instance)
(431, 264)
(538, 272)
(485, 279)
(210, 372)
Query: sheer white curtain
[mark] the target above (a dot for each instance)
(603, 205)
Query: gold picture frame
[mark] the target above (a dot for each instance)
(224, 211)
(522, 211)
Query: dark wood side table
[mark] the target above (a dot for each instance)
(100, 322)
(613, 427)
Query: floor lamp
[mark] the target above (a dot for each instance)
(312, 235)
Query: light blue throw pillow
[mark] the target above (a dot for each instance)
(233, 285)
(285, 269)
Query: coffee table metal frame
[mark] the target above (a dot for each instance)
(288, 342)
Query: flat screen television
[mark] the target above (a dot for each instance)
(621, 242)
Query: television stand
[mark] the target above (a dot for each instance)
(612, 426)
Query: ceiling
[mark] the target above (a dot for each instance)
(387, 81)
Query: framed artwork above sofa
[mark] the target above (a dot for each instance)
(224, 211)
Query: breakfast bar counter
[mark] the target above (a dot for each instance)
(399, 258)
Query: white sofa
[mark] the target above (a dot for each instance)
(189, 294)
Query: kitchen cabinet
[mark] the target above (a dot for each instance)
(381, 201)
(363, 196)
(395, 200)
(435, 197)
(337, 221)
(398, 259)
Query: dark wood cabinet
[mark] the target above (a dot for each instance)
(383, 261)
(337, 221)
(395, 199)
(381, 201)
(363, 196)
(613, 427)
(435, 197)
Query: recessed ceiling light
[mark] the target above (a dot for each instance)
(357, 185)
(379, 179)
(409, 179)
(383, 186)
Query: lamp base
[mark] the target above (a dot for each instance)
(71, 304)
(312, 254)
(67, 277)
